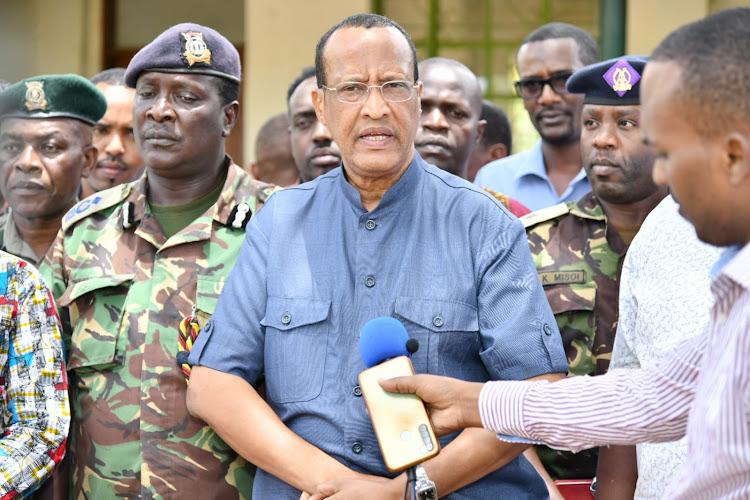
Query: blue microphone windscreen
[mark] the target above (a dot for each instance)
(381, 339)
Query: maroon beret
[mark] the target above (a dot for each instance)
(187, 48)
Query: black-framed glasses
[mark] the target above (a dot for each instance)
(531, 88)
(356, 92)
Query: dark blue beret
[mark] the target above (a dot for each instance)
(54, 96)
(616, 82)
(187, 48)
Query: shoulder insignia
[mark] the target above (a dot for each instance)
(544, 214)
(94, 203)
(240, 215)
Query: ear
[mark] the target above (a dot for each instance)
(230, 114)
(481, 124)
(90, 155)
(254, 170)
(497, 151)
(318, 98)
(737, 157)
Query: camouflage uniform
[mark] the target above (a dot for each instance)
(11, 241)
(127, 289)
(579, 259)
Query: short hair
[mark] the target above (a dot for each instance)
(111, 76)
(715, 74)
(307, 72)
(477, 94)
(365, 21)
(273, 132)
(588, 49)
(229, 90)
(497, 130)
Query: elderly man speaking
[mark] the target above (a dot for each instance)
(385, 235)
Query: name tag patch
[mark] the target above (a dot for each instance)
(562, 277)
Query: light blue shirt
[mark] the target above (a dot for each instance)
(523, 176)
(439, 254)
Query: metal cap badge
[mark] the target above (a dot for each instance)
(615, 82)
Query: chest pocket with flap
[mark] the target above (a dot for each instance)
(96, 307)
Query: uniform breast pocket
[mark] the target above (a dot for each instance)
(206, 296)
(573, 307)
(96, 308)
(296, 343)
(447, 331)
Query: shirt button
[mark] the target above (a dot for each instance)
(437, 321)
(370, 224)
(357, 391)
(369, 282)
(286, 318)
(547, 329)
(357, 448)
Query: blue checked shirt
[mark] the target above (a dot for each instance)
(439, 254)
(34, 410)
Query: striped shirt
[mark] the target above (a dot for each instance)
(675, 397)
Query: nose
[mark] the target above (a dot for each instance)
(161, 110)
(375, 106)
(548, 95)
(659, 173)
(28, 160)
(115, 146)
(321, 134)
(605, 137)
(434, 119)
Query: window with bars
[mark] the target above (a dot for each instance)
(485, 35)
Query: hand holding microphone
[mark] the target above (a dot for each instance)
(453, 403)
(404, 431)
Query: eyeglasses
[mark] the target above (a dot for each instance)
(531, 88)
(356, 92)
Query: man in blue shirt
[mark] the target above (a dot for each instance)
(550, 172)
(385, 235)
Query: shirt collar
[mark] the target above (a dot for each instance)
(534, 164)
(394, 195)
(735, 264)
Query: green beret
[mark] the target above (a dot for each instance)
(53, 96)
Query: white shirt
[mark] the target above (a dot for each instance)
(664, 298)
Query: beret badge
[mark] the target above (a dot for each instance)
(35, 98)
(195, 49)
(621, 77)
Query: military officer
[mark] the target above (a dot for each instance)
(46, 126)
(140, 266)
(578, 247)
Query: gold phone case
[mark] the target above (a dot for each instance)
(401, 423)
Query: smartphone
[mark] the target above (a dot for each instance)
(402, 426)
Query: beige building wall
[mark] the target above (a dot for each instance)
(649, 21)
(50, 36)
(280, 38)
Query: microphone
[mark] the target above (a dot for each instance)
(385, 338)
(402, 426)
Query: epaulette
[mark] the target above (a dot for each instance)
(95, 203)
(544, 215)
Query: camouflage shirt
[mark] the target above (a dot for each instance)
(126, 289)
(11, 241)
(579, 258)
